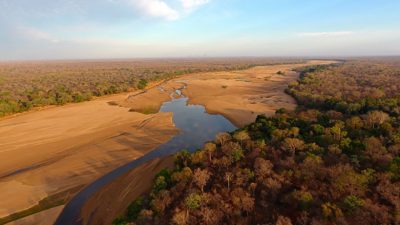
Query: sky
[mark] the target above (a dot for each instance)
(91, 29)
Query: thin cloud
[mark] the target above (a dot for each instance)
(325, 34)
(190, 5)
(156, 8)
(36, 34)
(161, 9)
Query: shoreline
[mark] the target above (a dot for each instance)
(94, 98)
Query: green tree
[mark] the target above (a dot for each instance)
(192, 202)
(142, 84)
(352, 203)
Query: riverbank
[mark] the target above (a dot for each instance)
(128, 186)
(49, 151)
(58, 148)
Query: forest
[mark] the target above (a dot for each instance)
(25, 85)
(334, 160)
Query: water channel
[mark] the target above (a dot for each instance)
(196, 127)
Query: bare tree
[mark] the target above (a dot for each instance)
(228, 178)
(200, 177)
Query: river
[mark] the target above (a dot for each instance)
(196, 127)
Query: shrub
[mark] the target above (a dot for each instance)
(352, 203)
(142, 84)
(134, 209)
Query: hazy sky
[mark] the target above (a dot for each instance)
(65, 29)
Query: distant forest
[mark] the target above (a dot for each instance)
(335, 160)
(24, 85)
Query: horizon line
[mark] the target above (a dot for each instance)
(325, 57)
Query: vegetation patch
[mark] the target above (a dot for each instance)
(145, 110)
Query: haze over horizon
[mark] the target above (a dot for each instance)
(88, 29)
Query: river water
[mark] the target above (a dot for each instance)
(196, 127)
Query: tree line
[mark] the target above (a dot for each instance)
(25, 85)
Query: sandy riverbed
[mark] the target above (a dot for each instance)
(238, 95)
(64, 147)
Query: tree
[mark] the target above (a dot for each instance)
(134, 209)
(242, 200)
(210, 148)
(304, 198)
(160, 184)
(241, 136)
(394, 168)
(352, 203)
(180, 218)
(145, 216)
(262, 168)
(376, 93)
(182, 176)
(200, 177)
(331, 211)
(247, 203)
(311, 166)
(222, 138)
(283, 221)
(228, 177)
(198, 157)
(142, 84)
(192, 202)
(355, 122)
(207, 215)
(183, 158)
(337, 132)
(292, 144)
(375, 118)
(236, 154)
(119, 221)
(294, 131)
(162, 201)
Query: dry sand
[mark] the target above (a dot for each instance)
(116, 196)
(238, 95)
(63, 147)
(242, 95)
